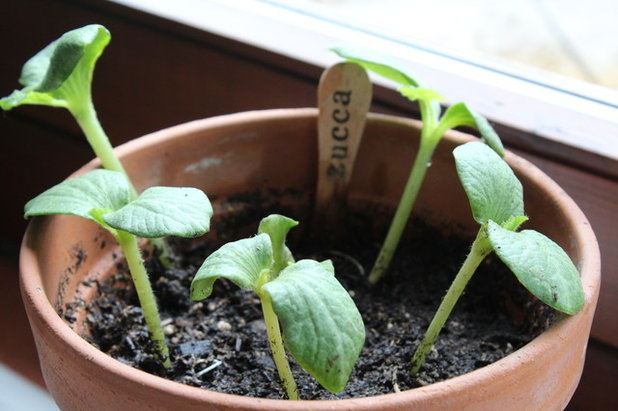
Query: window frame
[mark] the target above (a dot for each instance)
(570, 124)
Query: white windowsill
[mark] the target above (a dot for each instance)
(17, 393)
(585, 122)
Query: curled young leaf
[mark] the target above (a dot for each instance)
(241, 262)
(277, 227)
(322, 327)
(541, 266)
(492, 188)
(164, 211)
(70, 58)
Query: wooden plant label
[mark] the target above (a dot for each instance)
(344, 97)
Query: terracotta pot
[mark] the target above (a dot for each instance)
(276, 149)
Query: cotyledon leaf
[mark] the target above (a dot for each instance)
(322, 327)
(163, 211)
(95, 190)
(541, 266)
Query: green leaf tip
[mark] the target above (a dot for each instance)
(492, 188)
(488, 134)
(43, 76)
(380, 64)
(277, 227)
(541, 265)
(419, 93)
(460, 114)
(322, 327)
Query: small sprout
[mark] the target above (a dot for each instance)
(320, 324)
(434, 128)
(496, 199)
(104, 197)
(60, 75)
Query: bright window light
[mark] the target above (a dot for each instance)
(498, 56)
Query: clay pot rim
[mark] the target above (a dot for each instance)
(32, 287)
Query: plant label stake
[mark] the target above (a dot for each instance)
(344, 97)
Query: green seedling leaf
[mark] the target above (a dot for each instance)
(163, 211)
(49, 76)
(322, 328)
(496, 199)
(418, 93)
(491, 186)
(241, 262)
(461, 115)
(277, 227)
(97, 190)
(540, 265)
(103, 196)
(379, 64)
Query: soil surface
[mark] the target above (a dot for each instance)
(220, 343)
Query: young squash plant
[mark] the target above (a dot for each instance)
(104, 196)
(60, 75)
(435, 124)
(496, 200)
(320, 324)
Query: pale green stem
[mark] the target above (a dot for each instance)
(402, 214)
(277, 348)
(129, 245)
(480, 249)
(86, 117)
(430, 136)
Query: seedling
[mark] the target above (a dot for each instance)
(320, 324)
(434, 128)
(60, 75)
(496, 199)
(104, 197)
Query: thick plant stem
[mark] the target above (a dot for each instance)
(129, 245)
(402, 214)
(276, 345)
(480, 249)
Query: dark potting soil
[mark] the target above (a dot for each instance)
(220, 343)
